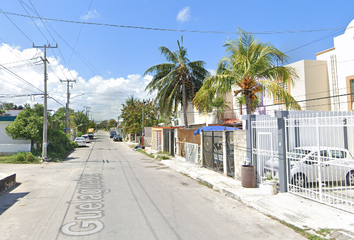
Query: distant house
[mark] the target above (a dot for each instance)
(8, 145)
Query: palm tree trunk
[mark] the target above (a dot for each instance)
(184, 105)
(248, 104)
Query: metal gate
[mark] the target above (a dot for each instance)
(212, 150)
(191, 152)
(230, 153)
(264, 130)
(320, 162)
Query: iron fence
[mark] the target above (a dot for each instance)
(320, 157)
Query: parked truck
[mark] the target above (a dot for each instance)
(90, 132)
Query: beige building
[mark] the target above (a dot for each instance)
(327, 83)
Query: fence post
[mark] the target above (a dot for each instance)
(201, 149)
(224, 153)
(249, 119)
(280, 115)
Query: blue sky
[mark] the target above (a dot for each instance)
(118, 56)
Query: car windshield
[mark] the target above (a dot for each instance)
(80, 138)
(297, 154)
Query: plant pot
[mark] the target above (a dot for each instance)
(270, 186)
(248, 176)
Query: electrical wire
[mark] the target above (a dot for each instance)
(78, 36)
(178, 30)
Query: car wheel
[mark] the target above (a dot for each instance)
(350, 178)
(299, 180)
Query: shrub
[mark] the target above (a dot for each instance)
(24, 157)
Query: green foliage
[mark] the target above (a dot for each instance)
(79, 134)
(6, 106)
(29, 125)
(132, 113)
(176, 82)
(103, 124)
(111, 124)
(23, 157)
(81, 121)
(252, 67)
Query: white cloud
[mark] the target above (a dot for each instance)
(212, 72)
(184, 14)
(90, 15)
(104, 96)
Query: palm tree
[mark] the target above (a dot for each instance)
(250, 66)
(176, 81)
(220, 105)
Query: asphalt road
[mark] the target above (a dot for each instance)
(108, 191)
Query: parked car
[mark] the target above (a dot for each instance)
(90, 135)
(80, 141)
(117, 138)
(87, 138)
(112, 133)
(334, 164)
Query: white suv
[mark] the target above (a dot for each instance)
(334, 165)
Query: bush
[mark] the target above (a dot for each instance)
(79, 134)
(24, 157)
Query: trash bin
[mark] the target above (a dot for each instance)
(248, 176)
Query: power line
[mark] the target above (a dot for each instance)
(178, 30)
(17, 76)
(78, 36)
(16, 26)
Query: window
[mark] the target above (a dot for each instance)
(338, 154)
(352, 88)
(285, 86)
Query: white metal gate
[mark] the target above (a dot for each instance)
(320, 162)
(191, 152)
(264, 146)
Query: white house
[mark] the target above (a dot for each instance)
(7, 144)
(327, 83)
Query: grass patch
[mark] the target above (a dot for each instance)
(143, 152)
(20, 158)
(201, 182)
(324, 233)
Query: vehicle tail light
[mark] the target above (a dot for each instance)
(83, 141)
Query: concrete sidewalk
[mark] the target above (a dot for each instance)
(300, 212)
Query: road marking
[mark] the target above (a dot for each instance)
(90, 203)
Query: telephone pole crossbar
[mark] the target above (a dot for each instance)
(45, 113)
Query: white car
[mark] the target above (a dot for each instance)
(80, 141)
(334, 165)
(87, 138)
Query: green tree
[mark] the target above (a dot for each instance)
(29, 125)
(176, 81)
(6, 106)
(59, 117)
(111, 124)
(252, 67)
(133, 117)
(103, 124)
(81, 121)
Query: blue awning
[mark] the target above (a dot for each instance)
(214, 128)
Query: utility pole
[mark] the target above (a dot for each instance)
(45, 114)
(143, 132)
(87, 110)
(67, 104)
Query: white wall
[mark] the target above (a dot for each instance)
(9, 145)
(343, 54)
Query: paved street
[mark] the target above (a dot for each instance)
(108, 191)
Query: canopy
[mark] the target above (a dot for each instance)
(214, 128)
